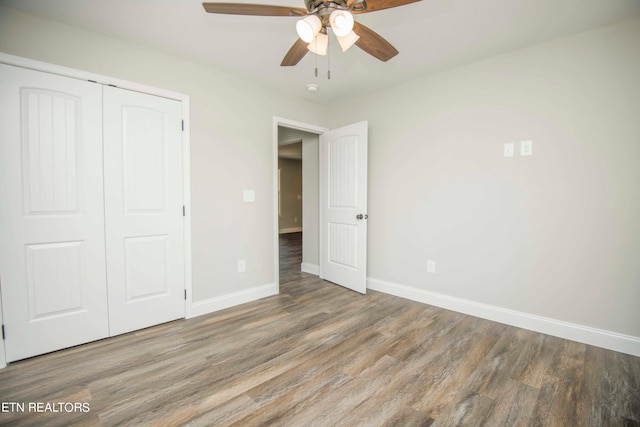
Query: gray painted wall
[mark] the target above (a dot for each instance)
(556, 234)
(310, 200)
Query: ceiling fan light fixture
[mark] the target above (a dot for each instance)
(347, 41)
(341, 22)
(319, 44)
(308, 27)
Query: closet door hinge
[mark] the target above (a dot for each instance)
(184, 210)
(3, 333)
(183, 125)
(185, 298)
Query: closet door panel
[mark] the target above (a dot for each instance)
(143, 199)
(52, 255)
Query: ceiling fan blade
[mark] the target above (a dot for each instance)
(253, 9)
(373, 43)
(373, 5)
(295, 54)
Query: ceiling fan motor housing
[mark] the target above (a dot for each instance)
(325, 7)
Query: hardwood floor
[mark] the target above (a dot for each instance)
(320, 355)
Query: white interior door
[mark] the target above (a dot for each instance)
(143, 209)
(343, 206)
(51, 212)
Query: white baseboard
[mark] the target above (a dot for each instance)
(225, 301)
(310, 268)
(571, 331)
(290, 230)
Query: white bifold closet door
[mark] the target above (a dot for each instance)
(143, 209)
(52, 247)
(91, 211)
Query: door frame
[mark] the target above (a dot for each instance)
(291, 124)
(186, 147)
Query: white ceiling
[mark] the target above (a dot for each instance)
(431, 35)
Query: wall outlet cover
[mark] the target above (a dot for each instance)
(526, 148)
(431, 266)
(508, 149)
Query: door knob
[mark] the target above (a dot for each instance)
(359, 216)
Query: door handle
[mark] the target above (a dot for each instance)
(360, 216)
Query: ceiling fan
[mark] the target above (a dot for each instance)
(316, 18)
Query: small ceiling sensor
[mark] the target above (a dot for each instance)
(312, 87)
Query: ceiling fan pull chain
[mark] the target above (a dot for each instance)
(328, 63)
(316, 60)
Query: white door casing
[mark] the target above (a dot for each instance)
(51, 215)
(143, 209)
(343, 206)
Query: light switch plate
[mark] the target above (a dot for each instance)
(526, 148)
(249, 196)
(508, 149)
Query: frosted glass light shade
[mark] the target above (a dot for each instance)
(308, 27)
(319, 44)
(347, 41)
(341, 22)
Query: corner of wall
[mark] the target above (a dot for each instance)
(211, 305)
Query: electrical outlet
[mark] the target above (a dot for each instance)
(431, 266)
(242, 266)
(526, 148)
(508, 149)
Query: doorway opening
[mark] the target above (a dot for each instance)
(296, 199)
(334, 231)
(289, 204)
